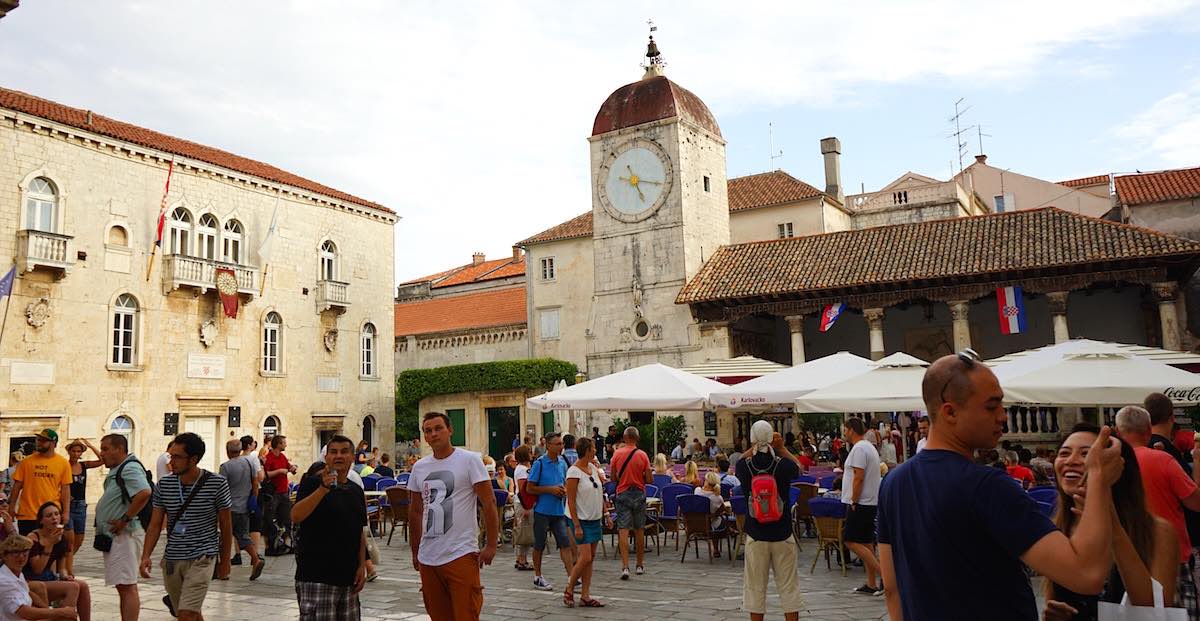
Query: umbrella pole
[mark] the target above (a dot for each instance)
(654, 449)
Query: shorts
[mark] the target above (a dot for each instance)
(631, 509)
(78, 519)
(187, 581)
(241, 529)
(557, 524)
(860, 525)
(122, 559)
(592, 533)
(327, 602)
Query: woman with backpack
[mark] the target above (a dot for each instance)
(766, 474)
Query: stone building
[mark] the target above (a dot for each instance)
(97, 339)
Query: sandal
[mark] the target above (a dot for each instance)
(587, 602)
(569, 599)
(519, 566)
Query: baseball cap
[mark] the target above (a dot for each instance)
(48, 434)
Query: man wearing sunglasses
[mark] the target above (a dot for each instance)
(953, 535)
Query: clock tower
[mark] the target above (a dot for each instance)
(659, 210)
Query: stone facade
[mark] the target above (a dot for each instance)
(189, 364)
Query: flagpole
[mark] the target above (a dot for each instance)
(262, 285)
(159, 223)
(4, 323)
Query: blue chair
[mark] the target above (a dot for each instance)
(829, 514)
(669, 518)
(652, 491)
(726, 491)
(402, 478)
(737, 504)
(826, 482)
(610, 488)
(736, 491)
(1047, 508)
(695, 513)
(662, 480)
(805, 478)
(371, 482)
(1044, 494)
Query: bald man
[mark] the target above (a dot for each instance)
(243, 484)
(953, 535)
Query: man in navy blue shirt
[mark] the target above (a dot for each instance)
(953, 535)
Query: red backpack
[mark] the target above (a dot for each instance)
(764, 503)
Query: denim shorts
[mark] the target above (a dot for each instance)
(78, 518)
(592, 532)
(555, 523)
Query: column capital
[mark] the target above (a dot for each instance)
(874, 317)
(1058, 302)
(1165, 291)
(795, 323)
(960, 310)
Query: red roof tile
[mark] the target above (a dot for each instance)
(1156, 187)
(480, 309)
(650, 100)
(953, 249)
(104, 126)
(761, 190)
(1085, 181)
(488, 270)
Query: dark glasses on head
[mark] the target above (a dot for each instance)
(969, 358)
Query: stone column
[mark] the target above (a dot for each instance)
(874, 318)
(796, 327)
(1058, 315)
(960, 311)
(1165, 293)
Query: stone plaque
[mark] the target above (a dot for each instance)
(205, 366)
(31, 373)
(328, 383)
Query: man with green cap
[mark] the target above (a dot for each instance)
(44, 476)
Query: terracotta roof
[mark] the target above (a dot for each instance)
(956, 248)
(104, 126)
(469, 273)
(579, 226)
(650, 100)
(1155, 187)
(1085, 181)
(769, 188)
(479, 309)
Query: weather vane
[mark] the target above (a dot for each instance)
(654, 59)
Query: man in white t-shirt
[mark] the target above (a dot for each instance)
(922, 432)
(860, 491)
(444, 524)
(162, 465)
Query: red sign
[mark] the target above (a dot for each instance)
(227, 287)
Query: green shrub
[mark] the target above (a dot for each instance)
(416, 384)
(670, 430)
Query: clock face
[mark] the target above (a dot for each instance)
(635, 182)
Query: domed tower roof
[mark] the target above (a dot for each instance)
(653, 98)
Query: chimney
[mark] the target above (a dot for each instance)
(831, 150)
(516, 254)
(981, 159)
(477, 258)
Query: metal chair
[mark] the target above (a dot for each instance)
(829, 515)
(652, 491)
(738, 505)
(695, 513)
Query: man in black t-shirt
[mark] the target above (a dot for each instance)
(769, 545)
(331, 512)
(598, 441)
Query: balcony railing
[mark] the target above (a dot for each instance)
(332, 294)
(919, 195)
(39, 249)
(197, 273)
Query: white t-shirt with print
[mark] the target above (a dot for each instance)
(451, 521)
(589, 499)
(14, 593)
(862, 455)
(521, 472)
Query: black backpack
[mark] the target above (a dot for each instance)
(148, 508)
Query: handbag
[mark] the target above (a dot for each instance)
(523, 534)
(1127, 612)
(103, 543)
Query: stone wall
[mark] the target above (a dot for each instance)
(570, 292)
(430, 351)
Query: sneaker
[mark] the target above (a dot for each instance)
(865, 590)
(543, 584)
(167, 602)
(640, 570)
(879, 592)
(624, 573)
(236, 560)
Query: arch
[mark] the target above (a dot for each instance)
(369, 429)
(271, 425)
(271, 343)
(180, 231)
(231, 241)
(328, 256)
(57, 218)
(368, 351)
(207, 227)
(117, 235)
(124, 331)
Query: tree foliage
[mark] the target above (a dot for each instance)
(670, 430)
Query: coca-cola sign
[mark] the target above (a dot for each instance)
(1187, 395)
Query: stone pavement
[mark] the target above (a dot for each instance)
(692, 590)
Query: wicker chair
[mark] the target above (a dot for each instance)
(697, 524)
(829, 515)
(398, 497)
(802, 517)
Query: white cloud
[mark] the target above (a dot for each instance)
(1168, 132)
(470, 119)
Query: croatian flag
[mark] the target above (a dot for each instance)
(1012, 310)
(830, 315)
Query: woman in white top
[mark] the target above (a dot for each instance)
(522, 516)
(716, 504)
(585, 500)
(16, 602)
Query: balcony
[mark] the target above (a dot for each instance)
(49, 251)
(332, 294)
(201, 274)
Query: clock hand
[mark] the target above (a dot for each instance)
(640, 195)
(640, 180)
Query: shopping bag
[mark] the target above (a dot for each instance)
(1127, 612)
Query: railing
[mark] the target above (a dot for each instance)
(941, 192)
(182, 271)
(332, 294)
(42, 249)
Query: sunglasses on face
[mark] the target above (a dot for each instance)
(969, 358)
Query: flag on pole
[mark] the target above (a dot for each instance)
(830, 315)
(264, 249)
(1011, 306)
(162, 206)
(6, 283)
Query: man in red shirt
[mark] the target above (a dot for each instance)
(630, 467)
(1168, 488)
(277, 512)
(1012, 464)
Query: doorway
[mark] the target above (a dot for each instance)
(25, 444)
(206, 428)
(503, 425)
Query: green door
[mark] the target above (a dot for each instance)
(503, 425)
(547, 422)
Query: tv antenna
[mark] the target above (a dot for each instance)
(959, 145)
(773, 155)
(979, 131)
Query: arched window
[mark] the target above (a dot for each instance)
(231, 243)
(181, 232)
(118, 236)
(272, 356)
(125, 331)
(206, 236)
(368, 351)
(270, 426)
(123, 425)
(328, 261)
(368, 430)
(41, 206)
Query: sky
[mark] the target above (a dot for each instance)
(470, 119)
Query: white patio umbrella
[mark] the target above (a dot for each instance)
(893, 384)
(649, 387)
(785, 386)
(1092, 373)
